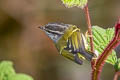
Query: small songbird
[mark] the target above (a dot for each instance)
(69, 41)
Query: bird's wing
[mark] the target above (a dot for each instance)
(77, 46)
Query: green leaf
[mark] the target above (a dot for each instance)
(20, 77)
(6, 70)
(117, 65)
(101, 39)
(112, 59)
(77, 3)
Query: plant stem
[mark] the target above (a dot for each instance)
(117, 74)
(89, 27)
(101, 60)
(90, 33)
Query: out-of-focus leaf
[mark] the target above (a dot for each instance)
(77, 3)
(102, 37)
(6, 70)
(20, 77)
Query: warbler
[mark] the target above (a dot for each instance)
(69, 41)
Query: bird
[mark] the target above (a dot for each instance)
(69, 41)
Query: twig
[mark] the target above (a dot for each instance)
(117, 74)
(89, 27)
(101, 60)
(90, 33)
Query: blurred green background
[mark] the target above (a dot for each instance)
(33, 52)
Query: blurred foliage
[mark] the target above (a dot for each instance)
(7, 72)
(72, 3)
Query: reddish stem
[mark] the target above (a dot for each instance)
(89, 27)
(117, 74)
(101, 60)
(90, 33)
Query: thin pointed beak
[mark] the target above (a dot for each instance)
(41, 27)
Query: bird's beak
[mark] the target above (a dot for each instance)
(42, 27)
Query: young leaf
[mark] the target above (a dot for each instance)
(77, 3)
(101, 39)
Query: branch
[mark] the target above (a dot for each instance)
(89, 27)
(117, 74)
(90, 33)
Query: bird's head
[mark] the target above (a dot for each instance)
(55, 30)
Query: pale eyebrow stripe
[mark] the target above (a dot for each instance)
(54, 32)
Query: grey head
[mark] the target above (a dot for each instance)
(55, 30)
